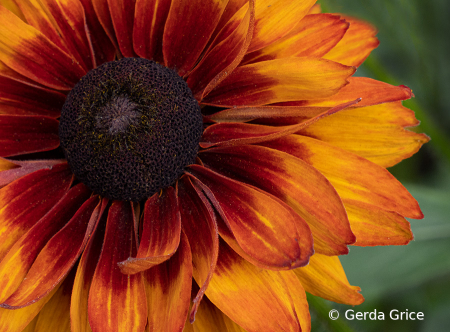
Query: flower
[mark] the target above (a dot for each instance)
(288, 165)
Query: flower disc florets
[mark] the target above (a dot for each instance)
(129, 128)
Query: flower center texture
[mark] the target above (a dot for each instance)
(129, 128)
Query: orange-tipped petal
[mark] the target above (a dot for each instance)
(325, 277)
(20, 258)
(265, 228)
(49, 66)
(280, 174)
(150, 18)
(197, 19)
(215, 67)
(122, 16)
(168, 287)
(86, 267)
(374, 226)
(161, 233)
(199, 225)
(353, 177)
(256, 299)
(19, 319)
(54, 316)
(26, 200)
(55, 261)
(27, 134)
(374, 132)
(232, 134)
(314, 35)
(355, 47)
(17, 98)
(117, 302)
(103, 48)
(280, 80)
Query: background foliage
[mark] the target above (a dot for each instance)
(414, 51)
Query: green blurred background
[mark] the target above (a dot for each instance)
(414, 51)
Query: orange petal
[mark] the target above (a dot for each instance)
(49, 65)
(11, 170)
(353, 177)
(26, 200)
(168, 286)
(12, 6)
(374, 226)
(17, 98)
(314, 35)
(161, 233)
(293, 181)
(280, 80)
(325, 277)
(85, 272)
(55, 261)
(122, 16)
(232, 134)
(104, 50)
(20, 258)
(231, 9)
(27, 134)
(117, 301)
(371, 92)
(200, 227)
(197, 19)
(214, 66)
(316, 9)
(355, 47)
(18, 319)
(256, 299)
(210, 318)
(54, 316)
(298, 296)
(265, 228)
(149, 21)
(374, 132)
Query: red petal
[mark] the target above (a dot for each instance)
(265, 228)
(122, 16)
(232, 134)
(101, 9)
(104, 50)
(55, 260)
(168, 286)
(197, 19)
(117, 301)
(280, 80)
(17, 262)
(33, 55)
(85, 272)
(314, 35)
(296, 183)
(200, 227)
(27, 134)
(353, 177)
(214, 67)
(161, 233)
(256, 299)
(149, 22)
(17, 98)
(26, 200)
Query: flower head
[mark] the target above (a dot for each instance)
(146, 144)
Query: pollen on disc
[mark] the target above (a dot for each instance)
(129, 128)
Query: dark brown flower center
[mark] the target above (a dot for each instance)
(129, 128)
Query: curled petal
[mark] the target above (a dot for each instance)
(280, 80)
(161, 233)
(117, 301)
(27, 134)
(265, 228)
(325, 277)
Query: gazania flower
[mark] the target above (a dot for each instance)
(147, 144)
